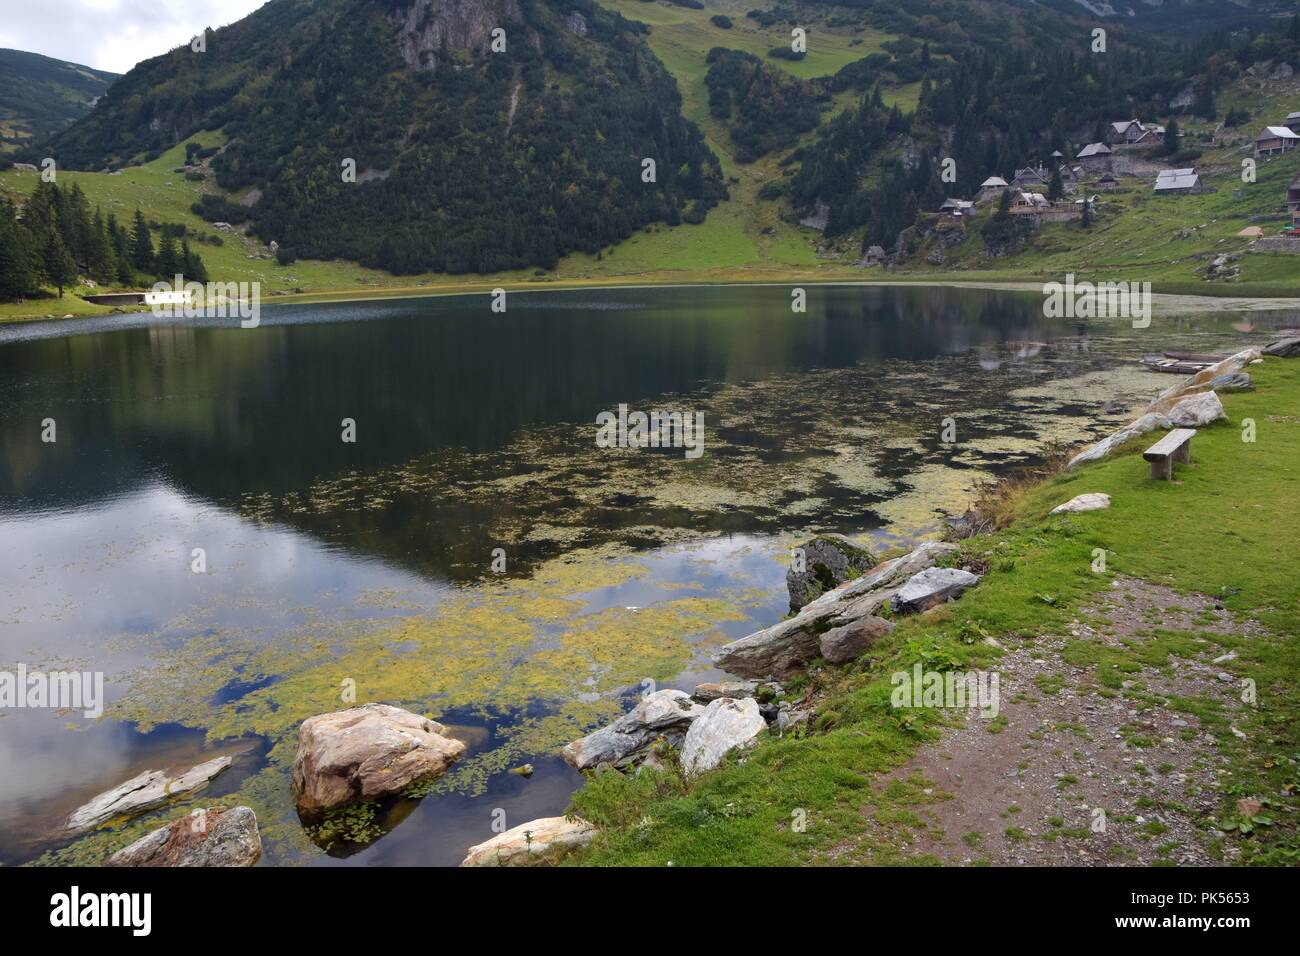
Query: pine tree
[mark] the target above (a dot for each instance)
(1056, 188)
(59, 267)
(168, 262)
(142, 256)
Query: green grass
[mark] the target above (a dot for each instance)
(1227, 528)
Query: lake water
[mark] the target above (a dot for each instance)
(369, 563)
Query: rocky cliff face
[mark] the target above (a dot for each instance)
(430, 29)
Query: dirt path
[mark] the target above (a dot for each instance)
(1031, 786)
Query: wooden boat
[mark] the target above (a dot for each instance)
(1174, 366)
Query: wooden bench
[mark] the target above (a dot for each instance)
(1176, 446)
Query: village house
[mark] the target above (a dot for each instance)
(957, 207)
(1095, 156)
(24, 168)
(1136, 133)
(1293, 199)
(1126, 131)
(874, 256)
(1151, 136)
(1274, 140)
(1107, 181)
(1293, 122)
(1031, 176)
(1176, 181)
(992, 189)
(1026, 203)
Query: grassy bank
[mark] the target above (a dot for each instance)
(1226, 528)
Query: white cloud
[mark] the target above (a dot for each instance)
(112, 34)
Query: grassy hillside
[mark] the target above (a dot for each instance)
(40, 95)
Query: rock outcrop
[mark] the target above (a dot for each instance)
(726, 724)
(792, 644)
(824, 563)
(665, 713)
(366, 753)
(213, 837)
(428, 29)
(146, 791)
(543, 842)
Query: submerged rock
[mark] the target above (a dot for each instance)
(792, 644)
(842, 644)
(146, 791)
(366, 753)
(933, 587)
(666, 713)
(1093, 501)
(828, 561)
(725, 725)
(542, 842)
(214, 837)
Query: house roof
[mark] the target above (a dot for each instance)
(993, 181)
(1123, 125)
(1173, 179)
(1293, 116)
(1034, 199)
(1276, 132)
(1094, 149)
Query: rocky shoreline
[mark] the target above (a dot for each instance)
(842, 601)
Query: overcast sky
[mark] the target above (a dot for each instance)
(112, 35)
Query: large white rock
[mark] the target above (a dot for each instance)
(366, 753)
(213, 837)
(543, 842)
(932, 587)
(1093, 501)
(1197, 410)
(146, 791)
(727, 723)
(664, 713)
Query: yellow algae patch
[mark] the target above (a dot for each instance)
(492, 649)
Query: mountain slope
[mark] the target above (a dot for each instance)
(466, 160)
(40, 95)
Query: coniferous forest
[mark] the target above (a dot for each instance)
(57, 237)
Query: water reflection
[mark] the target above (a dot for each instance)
(475, 430)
